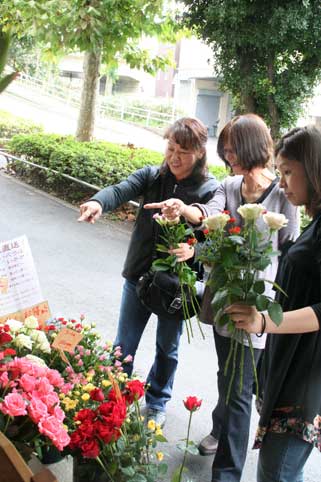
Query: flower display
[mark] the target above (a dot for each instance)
(30, 407)
(79, 401)
(174, 233)
(237, 258)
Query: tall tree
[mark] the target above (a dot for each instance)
(5, 79)
(267, 53)
(105, 30)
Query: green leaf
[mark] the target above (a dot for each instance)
(162, 468)
(262, 302)
(129, 471)
(259, 286)
(160, 438)
(276, 313)
(220, 298)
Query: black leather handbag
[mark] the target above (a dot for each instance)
(160, 292)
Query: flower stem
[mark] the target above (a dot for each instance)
(235, 348)
(253, 365)
(186, 447)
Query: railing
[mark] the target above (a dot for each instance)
(108, 107)
(10, 157)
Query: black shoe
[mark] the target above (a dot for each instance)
(208, 445)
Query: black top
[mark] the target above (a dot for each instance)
(149, 186)
(292, 362)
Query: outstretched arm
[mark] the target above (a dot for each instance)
(249, 319)
(173, 208)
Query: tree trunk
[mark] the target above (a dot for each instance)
(86, 120)
(273, 111)
(248, 102)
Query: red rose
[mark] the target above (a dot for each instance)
(226, 211)
(192, 403)
(232, 220)
(85, 414)
(87, 430)
(104, 431)
(90, 449)
(9, 352)
(97, 394)
(75, 439)
(5, 338)
(134, 390)
(191, 241)
(205, 231)
(235, 230)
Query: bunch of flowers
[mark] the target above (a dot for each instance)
(173, 233)
(112, 433)
(87, 400)
(237, 256)
(30, 412)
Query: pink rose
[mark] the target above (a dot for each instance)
(58, 413)
(44, 386)
(50, 399)
(37, 410)
(4, 379)
(13, 405)
(62, 439)
(55, 378)
(28, 383)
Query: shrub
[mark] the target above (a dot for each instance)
(11, 125)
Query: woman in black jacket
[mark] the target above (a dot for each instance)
(184, 174)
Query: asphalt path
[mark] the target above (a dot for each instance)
(79, 268)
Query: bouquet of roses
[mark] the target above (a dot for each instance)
(111, 432)
(173, 233)
(237, 256)
(30, 412)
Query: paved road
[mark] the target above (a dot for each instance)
(79, 270)
(59, 117)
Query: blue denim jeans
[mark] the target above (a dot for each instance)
(231, 423)
(282, 458)
(133, 319)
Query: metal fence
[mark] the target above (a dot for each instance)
(118, 108)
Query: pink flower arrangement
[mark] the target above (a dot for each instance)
(30, 390)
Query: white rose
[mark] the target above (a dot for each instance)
(23, 341)
(36, 360)
(275, 220)
(44, 346)
(251, 212)
(14, 325)
(217, 221)
(31, 322)
(38, 336)
(163, 220)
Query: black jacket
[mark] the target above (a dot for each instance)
(150, 186)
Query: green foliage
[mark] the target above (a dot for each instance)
(11, 125)
(219, 172)
(267, 54)
(97, 163)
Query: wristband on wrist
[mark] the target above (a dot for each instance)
(263, 326)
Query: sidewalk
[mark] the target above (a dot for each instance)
(58, 117)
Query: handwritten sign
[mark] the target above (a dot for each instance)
(41, 311)
(67, 340)
(20, 293)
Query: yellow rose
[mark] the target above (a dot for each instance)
(106, 383)
(151, 425)
(159, 456)
(89, 387)
(85, 397)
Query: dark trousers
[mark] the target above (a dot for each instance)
(231, 423)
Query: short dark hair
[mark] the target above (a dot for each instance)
(303, 144)
(251, 140)
(189, 133)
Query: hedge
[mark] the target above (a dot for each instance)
(98, 163)
(11, 125)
